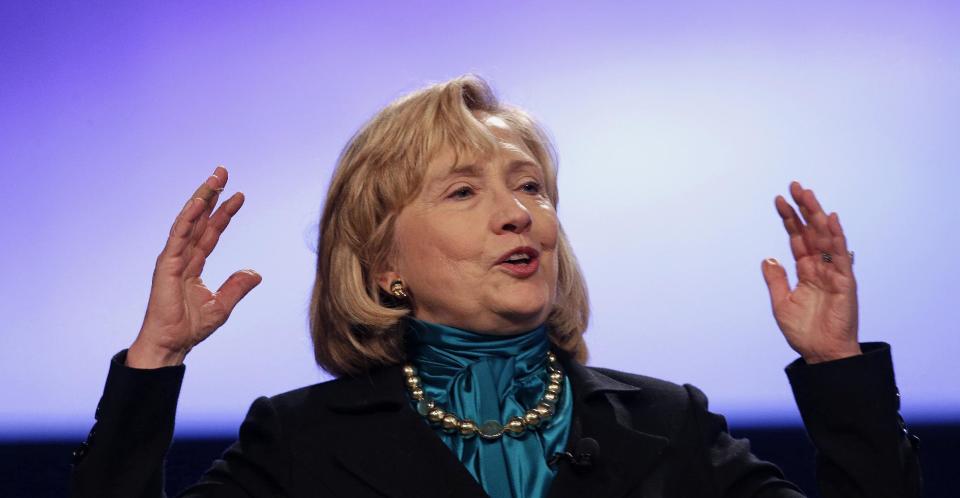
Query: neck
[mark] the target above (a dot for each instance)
(487, 324)
(471, 346)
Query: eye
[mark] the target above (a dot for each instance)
(464, 192)
(531, 187)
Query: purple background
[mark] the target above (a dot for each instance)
(676, 126)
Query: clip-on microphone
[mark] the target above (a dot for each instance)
(583, 457)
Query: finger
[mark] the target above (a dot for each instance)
(796, 191)
(209, 190)
(179, 237)
(183, 226)
(819, 237)
(811, 200)
(203, 247)
(182, 232)
(210, 187)
(841, 255)
(236, 287)
(800, 197)
(791, 222)
(218, 223)
(776, 278)
(195, 264)
(213, 185)
(794, 227)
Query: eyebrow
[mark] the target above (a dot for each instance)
(463, 170)
(476, 170)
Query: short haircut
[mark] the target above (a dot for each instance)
(354, 324)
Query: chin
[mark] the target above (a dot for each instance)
(528, 309)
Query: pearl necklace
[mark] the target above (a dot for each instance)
(491, 429)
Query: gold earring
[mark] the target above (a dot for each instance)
(396, 288)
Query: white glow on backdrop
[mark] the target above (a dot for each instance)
(676, 127)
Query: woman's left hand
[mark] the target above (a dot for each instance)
(819, 317)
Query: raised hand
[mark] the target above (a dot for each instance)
(818, 317)
(182, 311)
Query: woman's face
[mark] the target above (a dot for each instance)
(477, 248)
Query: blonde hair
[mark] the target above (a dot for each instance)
(355, 326)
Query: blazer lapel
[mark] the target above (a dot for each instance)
(625, 454)
(397, 454)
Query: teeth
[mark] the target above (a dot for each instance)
(517, 257)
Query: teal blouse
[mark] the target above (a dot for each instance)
(487, 377)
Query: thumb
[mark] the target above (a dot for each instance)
(776, 277)
(236, 287)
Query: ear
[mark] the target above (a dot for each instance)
(387, 277)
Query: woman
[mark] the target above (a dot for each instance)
(450, 307)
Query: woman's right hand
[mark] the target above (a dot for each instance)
(182, 311)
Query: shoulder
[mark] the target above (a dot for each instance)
(646, 404)
(375, 391)
(646, 387)
(312, 395)
(655, 386)
(318, 395)
(642, 395)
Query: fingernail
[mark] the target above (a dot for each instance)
(772, 261)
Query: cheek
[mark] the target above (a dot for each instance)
(547, 233)
(436, 252)
(546, 225)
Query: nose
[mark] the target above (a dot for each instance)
(511, 216)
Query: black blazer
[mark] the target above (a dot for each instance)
(359, 437)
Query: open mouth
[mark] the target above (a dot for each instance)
(521, 261)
